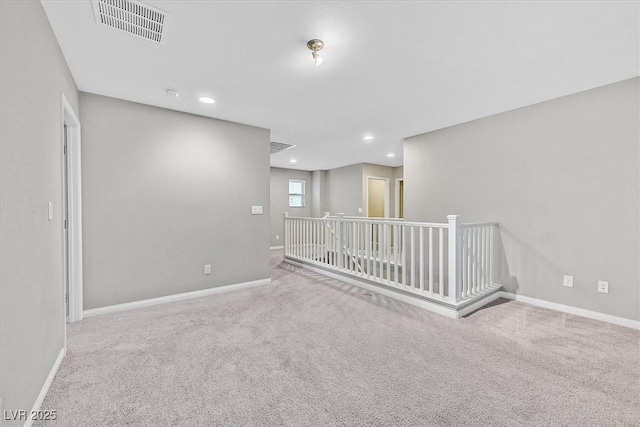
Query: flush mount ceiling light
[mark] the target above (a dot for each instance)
(316, 45)
(368, 137)
(172, 93)
(206, 100)
(391, 155)
(292, 161)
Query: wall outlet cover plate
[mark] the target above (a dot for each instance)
(568, 281)
(603, 287)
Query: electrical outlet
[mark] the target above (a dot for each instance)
(603, 287)
(359, 210)
(207, 269)
(256, 210)
(568, 281)
(277, 237)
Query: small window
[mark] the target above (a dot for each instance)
(296, 193)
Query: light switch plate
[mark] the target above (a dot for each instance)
(568, 281)
(256, 210)
(359, 210)
(207, 269)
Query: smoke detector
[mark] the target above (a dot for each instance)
(133, 17)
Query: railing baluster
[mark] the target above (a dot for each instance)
(476, 258)
(396, 248)
(354, 254)
(387, 239)
(441, 262)
(491, 253)
(412, 258)
(421, 237)
(488, 257)
(469, 261)
(307, 239)
(431, 259)
(370, 249)
(485, 253)
(378, 254)
(403, 237)
(303, 235)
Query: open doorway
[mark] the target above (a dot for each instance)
(377, 197)
(71, 214)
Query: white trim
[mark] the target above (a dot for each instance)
(397, 198)
(172, 298)
(74, 196)
(386, 195)
(621, 321)
(276, 247)
(45, 387)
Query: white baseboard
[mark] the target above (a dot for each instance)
(621, 321)
(45, 387)
(276, 247)
(172, 298)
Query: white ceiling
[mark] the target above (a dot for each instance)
(391, 69)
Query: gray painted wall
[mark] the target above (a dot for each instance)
(33, 74)
(164, 193)
(280, 199)
(319, 194)
(344, 190)
(561, 177)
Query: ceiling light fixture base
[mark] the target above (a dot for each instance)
(315, 44)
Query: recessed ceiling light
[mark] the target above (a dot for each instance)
(293, 161)
(173, 93)
(391, 155)
(206, 100)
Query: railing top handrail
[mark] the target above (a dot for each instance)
(307, 218)
(410, 224)
(373, 221)
(480, 224)
(366, 217)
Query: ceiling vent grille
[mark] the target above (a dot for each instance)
(277, 147)
(132, 17)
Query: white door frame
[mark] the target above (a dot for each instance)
(397, 204)
(386, 195)
(74, 197)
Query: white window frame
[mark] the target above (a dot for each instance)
(303, 194)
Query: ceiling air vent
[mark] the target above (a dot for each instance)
(277, 147)
(132, 17)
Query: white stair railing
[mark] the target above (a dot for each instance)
(452, 262)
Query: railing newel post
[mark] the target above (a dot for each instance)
(285, 215)
(454, 257)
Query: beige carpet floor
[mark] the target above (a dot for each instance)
(308, 350)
